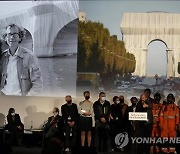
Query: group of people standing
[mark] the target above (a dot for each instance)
(97, 124)
(109, 120)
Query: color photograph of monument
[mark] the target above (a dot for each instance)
(129, 48)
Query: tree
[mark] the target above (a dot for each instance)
(100, 52)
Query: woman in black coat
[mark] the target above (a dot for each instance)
(14, 126)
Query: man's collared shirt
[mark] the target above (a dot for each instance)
(12, 86)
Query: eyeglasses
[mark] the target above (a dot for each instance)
(15, 35)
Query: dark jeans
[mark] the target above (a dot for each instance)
(70, 134)
(52, 133)
(144, 130)
(113, 132)
(102, 137)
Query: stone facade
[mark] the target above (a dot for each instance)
(45, 22)
(140, 29)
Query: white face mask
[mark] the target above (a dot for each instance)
(117, 102)
(13, 114)
(55, 113)
(103, 98)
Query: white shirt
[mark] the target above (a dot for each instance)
(12, 86)
(85, 106)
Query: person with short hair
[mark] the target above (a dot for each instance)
(124, 122)
(102, 112)
(54, 127)
(85, 110)
(156, 108)
(132, 130)
(115, 117)
(70, 116)
(147, 92)
(21, 73)
(144, 128)
(169, 121)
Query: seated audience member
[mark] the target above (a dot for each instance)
(86, 112)
(15, 127)
(102, 129)
(54, 127)
(70, 116)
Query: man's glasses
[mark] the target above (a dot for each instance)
(15, 35)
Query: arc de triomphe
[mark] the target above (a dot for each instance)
(139, 29)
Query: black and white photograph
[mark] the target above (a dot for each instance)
(38, 47)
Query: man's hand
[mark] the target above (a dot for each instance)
(111, 117)
(103, 120)
(145, 105)
(71, 124)
(19, 127)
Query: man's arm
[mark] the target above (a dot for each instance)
(107, 114)
(97, 113)
(35, 77)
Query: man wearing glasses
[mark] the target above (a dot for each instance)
(21, 73)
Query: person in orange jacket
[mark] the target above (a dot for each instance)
(156, 108)
(169, 120)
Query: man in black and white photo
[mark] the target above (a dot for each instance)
(21, 73)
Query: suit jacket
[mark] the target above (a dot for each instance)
(102, 110)
(56, 122)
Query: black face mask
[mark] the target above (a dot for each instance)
(121, 101)
(69, 102)
(133, 104)
(87, 97)
(170, 101)
(156, 101)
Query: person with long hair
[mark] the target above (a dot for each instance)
(15, 127)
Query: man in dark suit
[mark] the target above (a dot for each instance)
(144, 128)
(54, 127)
(102, 128)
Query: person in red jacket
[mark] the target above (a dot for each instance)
(156, 108)
(169, 120)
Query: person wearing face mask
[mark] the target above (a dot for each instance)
(102, 112)
(115, 116)
(70, 116)
(15, 126)
(54, 127)
(169, 120)
(156, 108)
(85, 110)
